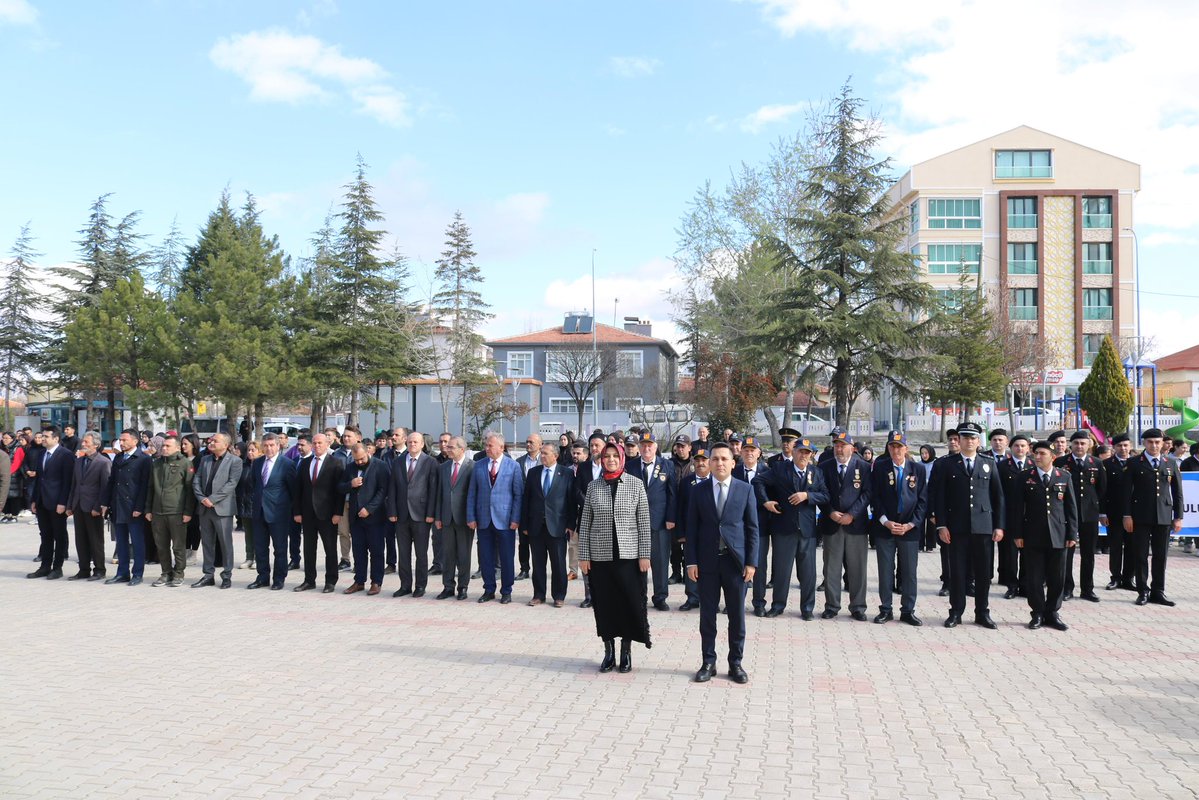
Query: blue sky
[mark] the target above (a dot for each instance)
(558, 127)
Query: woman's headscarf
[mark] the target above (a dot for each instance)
(611, 476)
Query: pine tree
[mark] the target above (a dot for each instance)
(21, 334)
(1105, 394)
(167, 259)
(964, 365)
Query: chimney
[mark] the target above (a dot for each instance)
(638, 325)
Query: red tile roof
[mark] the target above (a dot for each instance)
(1183, 359)
(604, 334)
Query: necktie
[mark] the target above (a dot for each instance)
(454, 475)
(1045, 479)
(969, 466)
(411, 467)
(841, 473)
(266, 470)
(316, 467)
(899, 493)
(1019, 466)
(546, 477)
(1155, 463)
(495, 468)
(46, 460)
(720, 498)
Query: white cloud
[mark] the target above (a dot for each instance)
(283, 67)
(614, 130)
(1170, 329)
(1115, 76)
(769, 115)
(633, 66)
(17, 12)
(316, 10)
(1164, 238)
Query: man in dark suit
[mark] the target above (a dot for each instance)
(1011, 475)
(1191, 462)
(657, 473)
(722, 548)
(215, 487)
(547, 512)
(453, 488)
(170, 505)
(843, 526)
(1120, 547)
(528, 461)
(1153, 509)
(86, 499)
(55, 470)
(273, 489)
(365, 481)
(1089, 481)
(970, 518)
(789, 491)
(748, 469)
(493, 509)
(1048, 526)
(953, 444)
(700, 473)
(125, 502)
(788, 437)
(69, 439)
(411, 499)
(585, 473)
(317, 507)
(898, 495)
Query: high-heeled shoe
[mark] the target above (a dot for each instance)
(609, 656)
(626, 655)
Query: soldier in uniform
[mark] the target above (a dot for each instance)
(1011, 473)
(898, 496)
(788, 437)
(1120, 548)
(953, 444)
(999, 445)
(1048, 527)
(970, 519)
(788, 493)
(842, 524)
(1152, 511)
(1089, 481)
(1057, 440)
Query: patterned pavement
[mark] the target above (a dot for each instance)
(138, 692)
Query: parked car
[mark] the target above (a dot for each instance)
(1030, 417)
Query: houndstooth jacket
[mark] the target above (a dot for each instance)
(632, 521)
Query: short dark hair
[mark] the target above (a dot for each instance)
(304, 437)
(134, 432)
(170, 437)
(719, 446)
(53, 431)
(270, 437)
(351, 429)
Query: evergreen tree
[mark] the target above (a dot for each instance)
(21, 334)
(167, 260)
(1105, 394)
(852, 295)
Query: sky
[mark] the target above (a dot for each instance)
(566, 132)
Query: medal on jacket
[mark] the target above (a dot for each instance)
(857, 478)
(911, 481)
(661, 476)
(891, 478)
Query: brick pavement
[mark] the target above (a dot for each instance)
(113, 691)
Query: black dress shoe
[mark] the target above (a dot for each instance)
(584, 604)
(303, 587)
(276, 586)
(828, 613)
(390, 569)
(1066, 596)
(1056, 623)
(858, 615)
(293, 565)
(226, 583)
(1142, 600)
(445, 594)
(401, 592)
(883, 617)
(943, 592)
(205, 581)
(329, 587)
(775, 612)
(807, 616)
(737, 674)
(40, 573)
(486, 597)
(505, 599)
(985, 621)
(1112, 584)
(911, 619)
(258, 585)
(118, 579)
(462, 594)
(660, 605)
(1010, 594)
(688, 606)
(705, 673)
(96, 576)
(1128, 586)
(523, 575)
(79, 576)
(135, 581)
(759, 611)
(54, 575)
(418, 593)
(1159, 599)
(435, 571)
(1035, 623)
(1090, 596)
(953, 620)
(609, 662)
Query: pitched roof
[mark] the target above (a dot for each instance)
(1183, 359)
(604, 334)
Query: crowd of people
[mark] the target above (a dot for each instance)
(714, 516)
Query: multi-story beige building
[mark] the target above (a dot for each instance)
(1043, 222)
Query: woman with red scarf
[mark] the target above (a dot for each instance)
(614, 551)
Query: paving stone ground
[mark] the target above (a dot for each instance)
(137, 692)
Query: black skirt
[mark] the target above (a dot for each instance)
(618, 598)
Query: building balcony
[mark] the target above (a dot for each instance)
(1026, 313)
(1097, 312)
(1021, 221)
(1097, 267)
(1096, 220)
(1023, 267)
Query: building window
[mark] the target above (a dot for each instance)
(957, 214)
(951, 259)
(950, 299)
(1096, 303)
(1090, 347)
(1097, 258)
(628, 403)
(1023, 164)
(1021, 258)
(566, 405)
(1023, 304)
(914, 216)
(520, 364)
(1096, 212)
(1022, 212)
(629, 364)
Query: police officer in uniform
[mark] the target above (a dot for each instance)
(953, 443)
(1153, 510)
(898, 495)
(970, 519)
(1120, 547)
(1048, 527)
(788, 437)
(1088, 478)
(1011, 473)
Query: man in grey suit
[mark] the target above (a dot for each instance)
(549, 508)
(410, 501)
(87, 496)
(215, 486)
(450, 518)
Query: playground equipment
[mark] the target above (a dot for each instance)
(1190, 418)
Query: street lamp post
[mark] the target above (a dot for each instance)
(594, 344)
(1136, 260)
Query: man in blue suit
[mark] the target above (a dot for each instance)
(657, 474)
(721, 550)
(365, 481)
(273, 484)
(547, 511)
(898, 495)
(493, 509)
(51, 492)
(125, 504)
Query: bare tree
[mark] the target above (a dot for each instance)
(580, 373)
(1027, 356)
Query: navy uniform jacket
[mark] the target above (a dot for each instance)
(886, 489)
(273, 502)
(55, 479)
(851, 496)
(737, 528)
(1153, 496)
(127, 484)
(1048, 516)
(781, 481)
(968, 503)
(685, 490)
(1011, 475)
(556, 510)
(1089, 484)
(659, 489)
(372, 494)
(1117, 486)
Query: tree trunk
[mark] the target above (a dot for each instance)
(773, 421)
(943, 420)
(314, 416)
(111, 395)
(259, 409)
(391, 408)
